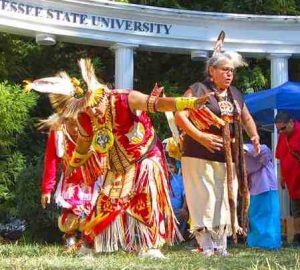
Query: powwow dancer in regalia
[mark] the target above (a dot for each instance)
(76, 195)
(210, 146)
(133, 211)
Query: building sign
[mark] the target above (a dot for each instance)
(81, 19)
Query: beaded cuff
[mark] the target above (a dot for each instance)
(152, 99)
(78, 159)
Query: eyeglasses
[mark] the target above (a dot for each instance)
(226, 69)
(282, 128)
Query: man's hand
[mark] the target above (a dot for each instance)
(45, 199)
(203, 99)
(256, 144)
(211, 142)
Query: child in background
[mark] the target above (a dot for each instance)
(264, 211)
(177, 197)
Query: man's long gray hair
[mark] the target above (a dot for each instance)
(233, 57)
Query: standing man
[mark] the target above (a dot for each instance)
(207, 154)
(288, 153)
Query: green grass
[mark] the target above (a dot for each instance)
(38, 256)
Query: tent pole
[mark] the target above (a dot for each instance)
(279, 75)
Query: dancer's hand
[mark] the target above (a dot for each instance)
(69, 171)
(45, 199)
(203, 99)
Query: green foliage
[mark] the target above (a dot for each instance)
(272, 7)
(13, 53)
(15, 107)
(178, 70)
(249, 80)
(10, 168)
(41, 223)
(21, 58)
(159, 3)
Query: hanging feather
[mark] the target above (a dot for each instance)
(219, 43)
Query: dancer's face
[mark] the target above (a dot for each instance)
(96, 111)
(222, 74)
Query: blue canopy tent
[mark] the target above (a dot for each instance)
(285, 97)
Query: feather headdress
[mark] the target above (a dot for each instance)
(66, 94)
(54, 121)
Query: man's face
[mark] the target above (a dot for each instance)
(222, 74)
(286, 128)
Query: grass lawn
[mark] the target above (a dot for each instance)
(38, 256)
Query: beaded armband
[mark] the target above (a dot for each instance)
(151, 104)
(78, 159)
(152, 99)
(182, 103)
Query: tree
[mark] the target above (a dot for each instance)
(15, 108)
(271, 7)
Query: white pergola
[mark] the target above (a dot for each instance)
(126, 28)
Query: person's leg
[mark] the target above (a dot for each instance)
(182, 224)
(295, 206)
(297, 225)
(68, 224)
(220, 244)
(205, 242)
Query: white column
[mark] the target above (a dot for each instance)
(279, 69)
(279, 75)
(124, 65)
